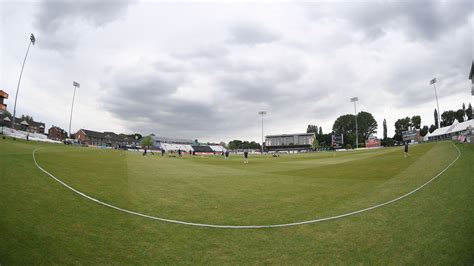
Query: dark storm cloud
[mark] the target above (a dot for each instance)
(268, 82)
(251, 34)
(427, 20)
(432, 19)
(271, 82)
(138, 92)
(206, 70)
(150, 101)
(57, 21)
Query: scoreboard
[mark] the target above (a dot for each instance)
(337, 141)
(411, 135)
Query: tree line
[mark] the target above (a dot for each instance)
(462, 114)
(367, 126)
(321, 140)
(346, 125)
(447, 119)
(27, 118)
(246, 145)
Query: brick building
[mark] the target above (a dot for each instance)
(57, 133)
(36, 127)
(109, 139)
(3, 95)
(31, 126)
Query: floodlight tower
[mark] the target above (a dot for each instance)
(354, 100)
(76, 85)
(433, 82)
(32, 41)
(262, 113)
(471, 77)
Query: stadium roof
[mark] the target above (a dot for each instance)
(37, 124)
(202, 149)
(172, 140)
(290, 135)
(58, 128)
(112, 135)
(455, 127)
(92, 133)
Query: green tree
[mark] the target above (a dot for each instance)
(146, 141)
(432, 128)
(402, 124)
(137, 136)
(312, 129)
(388, 142)
(366, 125)
(384, 129)
(345, 124)
(464, 111)
(447, 118)
(235, 144)
(315, 143)
(254, 145)
(8, 114)
(469, 112)
(436, 119)
(27, 118)
(324, 140)
(416, 122)
(223, 144)
(460, 115)
(424, 131)
(320, 131)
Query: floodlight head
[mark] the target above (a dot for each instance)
(433, 81)
(262, 113)
(75, 84)
(354, 99)
(32, 39)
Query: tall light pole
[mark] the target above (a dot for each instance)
(76, 85)
(471, 77)
(262, 113)
(32, 41)
(433, 82)
(354, 100)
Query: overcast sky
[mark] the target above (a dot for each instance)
(204, 70)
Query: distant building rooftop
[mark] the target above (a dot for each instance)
(290, 135)
(454, 128)
(172, 140)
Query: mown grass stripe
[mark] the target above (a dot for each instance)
(247, 226)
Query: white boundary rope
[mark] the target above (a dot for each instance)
(244, 226)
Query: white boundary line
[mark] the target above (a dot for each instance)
(244, 226)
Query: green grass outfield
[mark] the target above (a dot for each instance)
(43, 222)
